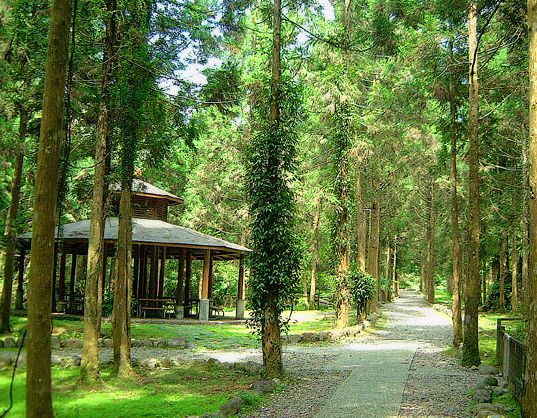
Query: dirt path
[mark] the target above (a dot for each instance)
(397, 371)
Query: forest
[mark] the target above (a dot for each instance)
(356, 147)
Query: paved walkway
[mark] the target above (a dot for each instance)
(399, 371)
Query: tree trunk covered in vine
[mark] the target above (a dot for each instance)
(38, 377)
(470, 353)
(373, 259)
(529, 405)
(9, 260)
(122, 287)
(429, 276)
(315, 254)
(89, 369)
(360, 224)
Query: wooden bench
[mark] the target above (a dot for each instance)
(164, 305)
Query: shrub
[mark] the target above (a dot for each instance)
(362, 287)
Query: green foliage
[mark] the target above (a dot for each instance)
(275, 263)
(362, 287)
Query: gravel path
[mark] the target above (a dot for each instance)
(398, 371)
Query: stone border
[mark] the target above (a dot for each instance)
(333, 335)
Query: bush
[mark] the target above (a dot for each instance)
(362, 287)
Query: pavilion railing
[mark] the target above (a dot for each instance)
(511, 357)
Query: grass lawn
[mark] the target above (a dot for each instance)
(176, 392)
(442, 296)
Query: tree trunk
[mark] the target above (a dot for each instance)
(5, 302)
(315, 254)
(470, 354)
(270, 327)
(373, 267)
(122, 289)
(360, 225)
(38, 378)
(423, 266)
(525, 221)
(503, 269)
(529, 406)
(455, 242)
(514, 272)
(389, 272)
(89, 369)
(394, 269)
(429, 280)
(19, 297)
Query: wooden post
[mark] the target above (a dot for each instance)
(239, 308)
(204, 296)
(20, 283)
(54, 272)
(136, 270)
(61, 284)
(72, 277)
(188, 276)
(210, 276)
(153, 274)
(180, 293)
(240, 290)
(205, 274)
(162, 272)
(143, 279)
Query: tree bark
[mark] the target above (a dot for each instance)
(503, 269)
(514, 272)
(373, 267)
(525, 222)
(470, 353)
(389, 272)
(360, 225)
(455, 240)
(429, 279)
(122, 290)
(9, 260)
(529, 406)
(315, 254)
(20, 283)
(38, 378)
(89, 369)
(394, 269)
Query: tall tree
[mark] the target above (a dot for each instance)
(472, 294)
(89, 369)
(271, 162)
(7, 290)
(529, 406)
(38, 380)
(429, 279)
(315, 252)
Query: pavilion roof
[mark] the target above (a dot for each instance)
(143, 188)
(149, 232)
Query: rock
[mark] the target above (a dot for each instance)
(262, 386)
(485, 368)
(55, 342)
(489, 410)
(5, 360)
(324, 335)
(309, 337)
(491, 381)
(72, 343)
(499, 391)
(177, 343)
(1, 343)
(10, 343)
(483, 395)
(20, 341)
(72, 361)
(231, 407)
(191, 346)
(337, 335)
(292, 338)
(108, 342)
(56, 360)
(150, 363)
(473, 368)
(250, 367)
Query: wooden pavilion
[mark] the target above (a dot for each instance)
(155, 241)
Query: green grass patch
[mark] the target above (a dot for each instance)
(442, 296)
(176, 392)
